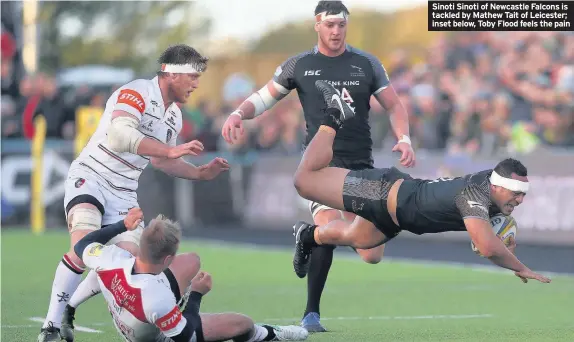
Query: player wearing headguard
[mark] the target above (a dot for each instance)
(140, 124)
(388, 200)
(357, 76)
(156, 295)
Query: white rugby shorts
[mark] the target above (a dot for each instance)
(116, 203)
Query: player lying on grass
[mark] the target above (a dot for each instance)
(156, 295)
(388, 200)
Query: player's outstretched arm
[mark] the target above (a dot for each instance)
(494, 249)
(181, 169)
(385, 93)
(124, 136)
(98, 238)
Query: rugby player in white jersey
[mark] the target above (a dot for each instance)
(140, 124)
(156, 295)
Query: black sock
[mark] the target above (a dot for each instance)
(332, 118)
(270, 333)
(308, 236)
(321, 260)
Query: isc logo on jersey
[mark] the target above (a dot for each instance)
(133, 99)
(503, 226)
(170, 321)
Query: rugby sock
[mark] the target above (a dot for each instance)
(260, 333)
(321, 261)
(88, 288)
(332, 118)
(66, 281)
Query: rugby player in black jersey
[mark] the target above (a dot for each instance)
(388, 200)
(357, 76)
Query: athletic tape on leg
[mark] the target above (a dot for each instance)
(86, 219)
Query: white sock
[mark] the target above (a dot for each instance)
(259, 334)
(88, 288)
(66, 281)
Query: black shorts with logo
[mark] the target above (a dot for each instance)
(365, 193)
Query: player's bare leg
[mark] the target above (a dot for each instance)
(226, 326)
(240, 328)
(82, 218)
(317, 182)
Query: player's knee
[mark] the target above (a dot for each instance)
(371, 258)
(129, 246)
(185, 267)
(84, 216)
(299, 182)
(240, 324)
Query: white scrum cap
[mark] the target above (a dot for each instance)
(180, 68)
(324, 16)
(509, 183)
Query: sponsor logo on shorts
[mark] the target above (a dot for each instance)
(168, 135)
(79, 182)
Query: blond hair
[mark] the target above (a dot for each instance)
(159, 239)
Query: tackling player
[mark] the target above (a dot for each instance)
(140, 124)
(357, 76)
(156, 296)
(388, 200)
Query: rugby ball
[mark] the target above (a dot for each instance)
(503, 226)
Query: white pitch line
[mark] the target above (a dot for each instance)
(381, 318)
(78, 327)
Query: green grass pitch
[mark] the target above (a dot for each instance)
(392, 301)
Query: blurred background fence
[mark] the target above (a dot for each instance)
(473, 98)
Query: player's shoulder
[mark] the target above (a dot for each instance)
(291, 61)
(374, 60)
(157, 293)
(140, 85)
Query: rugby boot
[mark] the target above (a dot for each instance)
(67, 328)
(333, 100)
(49, 334)
(312, 322)
(302, 257)
(289, 333)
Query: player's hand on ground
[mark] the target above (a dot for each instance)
(407, 154)
(529, 274)
(213, 168)
(232, 128)
(133, 219)
(201, 283)
(192, 148)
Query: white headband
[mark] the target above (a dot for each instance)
(179, 68)
(509, 183)
(323, 16)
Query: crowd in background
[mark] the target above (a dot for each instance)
(475, 92)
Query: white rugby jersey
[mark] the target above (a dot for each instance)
(142, 99)
(143, 307)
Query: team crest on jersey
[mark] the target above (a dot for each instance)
(79, 182)
(168, 135)
(96, 250)
(357, 71)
